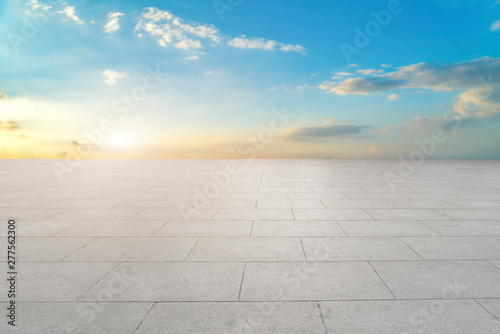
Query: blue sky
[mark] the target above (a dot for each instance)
(224, 74)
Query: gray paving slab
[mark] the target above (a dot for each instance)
(78, 318)
(407, 214)
(357, 248)
(247, 249)
(231, 317)
(135, 249)
(440, 279)
(254, 214)
(305, 281)
(455, 248)
(113, 228)
(386, 228)
(408, 316)
(331, 214)
(58, 281)
(471, 214)
(206, 228)
(293, 228)
(471, 228)
(162, 281)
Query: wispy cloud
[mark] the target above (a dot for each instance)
(369, 71)
(170, 30)
(393, 97)
(456, 76)
(328, 131)
(495, 26)
(113, 24)
(70, 13)
(2, 96)
(111, 76)
(260, 43)
(9, 126)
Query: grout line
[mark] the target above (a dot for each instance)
(88, 243)
(153, 234)
(481, 305)
(145, 316)
(382, 280)
(98, 281)
(414, 251)
(303, 250)
(322, 318)
(241, 283)
(191, 250)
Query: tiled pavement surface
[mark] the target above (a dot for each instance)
(280, 246)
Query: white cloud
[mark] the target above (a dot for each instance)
(169, 30)
(495, 26)
(2, 96)
(263, 44)
(456, 76)
(393, 97)
(35, 5)
(386, 65)
(111, 76)
(369, 71)
(113, 24)
(344, 74)
(192, 58)
(70, 13)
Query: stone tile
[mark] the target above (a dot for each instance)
(465, 228)
(356, 249)
(59, 281)
(408, 316)
(293, 228)
(470, 204)
(455, 248)
(47, 248)
(289, 204)
(492, 305)
(247, 249)
(175, 214)
(422, 204)
(78, 318)
(374, 196)
(331, 214)
(40, 228)
(206, 228)
(25, 202)
(173, 282)
(230, 317)
(440, 279)
(257, 196)
(385, 228)
(471, 214)
(97, 214)
(320, 196)
(85, 203)
(254, 214)
(288, 281)
(355, 204)
(406, 214)
(135, 249)
(114, 228)
(30, 213)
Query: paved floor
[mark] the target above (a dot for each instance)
(264, 246)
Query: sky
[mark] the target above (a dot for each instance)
(249, 79)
